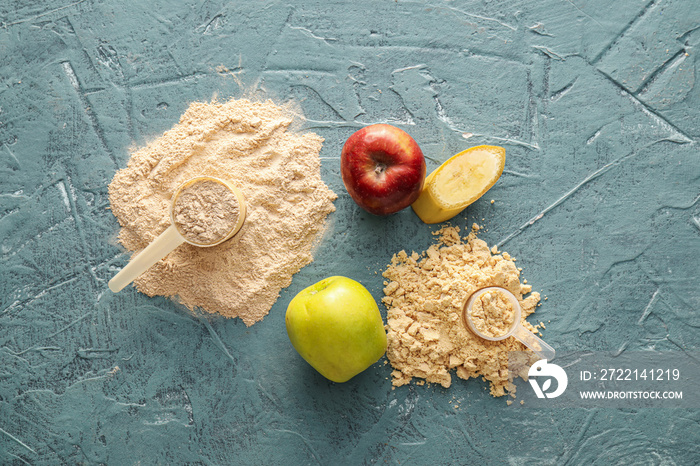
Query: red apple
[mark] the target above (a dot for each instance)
(382, 168)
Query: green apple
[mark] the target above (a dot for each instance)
(335, 325)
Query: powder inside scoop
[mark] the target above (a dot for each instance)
(205, 212)
(492, 314)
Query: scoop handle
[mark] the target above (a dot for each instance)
(532, 341)
(158, 249)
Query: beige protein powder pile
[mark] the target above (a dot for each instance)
(425, 296)
(278, 172)
(492, 314)
(205, 212)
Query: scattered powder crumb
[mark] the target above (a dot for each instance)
(522, 402)
(509, 402)
(492, 201)
(425, 296)
(278, 172)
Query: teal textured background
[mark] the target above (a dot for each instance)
(596, 103)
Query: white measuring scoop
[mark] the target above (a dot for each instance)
(172, 237)
(526, 337)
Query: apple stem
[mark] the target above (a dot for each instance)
(379, 169)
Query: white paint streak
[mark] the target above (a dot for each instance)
(414, 67)
(18, 441)
(647, 310)
(472, 15)
(311, 34)
(72, 77)
(64, 194)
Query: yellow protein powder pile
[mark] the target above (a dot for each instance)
(425, 295)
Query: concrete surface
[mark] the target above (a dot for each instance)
(596, 103)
